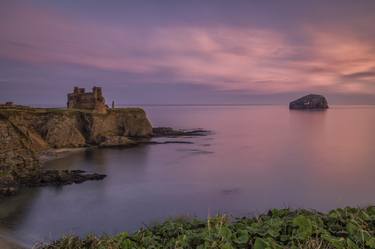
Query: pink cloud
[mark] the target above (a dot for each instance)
(228, 58)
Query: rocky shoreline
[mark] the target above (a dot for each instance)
(33, 136)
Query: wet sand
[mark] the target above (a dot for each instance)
(8, 243)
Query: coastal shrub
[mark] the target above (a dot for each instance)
(347, 228)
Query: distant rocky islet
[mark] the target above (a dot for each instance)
(309, 102)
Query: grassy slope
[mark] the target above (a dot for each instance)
(279, 228)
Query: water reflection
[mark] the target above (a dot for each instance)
(14, 210)
(258, 158)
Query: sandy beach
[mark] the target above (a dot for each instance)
(53, 154)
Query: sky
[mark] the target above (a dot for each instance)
(188, 52)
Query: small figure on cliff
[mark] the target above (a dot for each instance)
(113, 104)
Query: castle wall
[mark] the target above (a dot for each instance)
(80, 99)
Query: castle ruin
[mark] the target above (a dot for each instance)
(94, 100)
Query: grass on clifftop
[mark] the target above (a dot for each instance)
(352, 228)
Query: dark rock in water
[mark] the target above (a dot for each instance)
(8, 190)
(309, 102)
(48, 177)
(170, 132)
(167, 142)
(61, 177)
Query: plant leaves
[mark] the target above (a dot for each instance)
(305, 228)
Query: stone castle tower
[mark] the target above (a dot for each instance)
(94, 100)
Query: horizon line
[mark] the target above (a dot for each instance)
(216, 104)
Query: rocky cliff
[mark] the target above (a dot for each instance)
(25, 133)
(17, 157)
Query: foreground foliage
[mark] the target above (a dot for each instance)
(279, 228)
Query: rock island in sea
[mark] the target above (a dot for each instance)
(309, 102)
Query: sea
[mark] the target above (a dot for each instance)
(255, 158)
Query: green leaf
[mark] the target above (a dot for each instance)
(242, 237)
(279, 212)
(274, 227)
(357, 233)
(284, 238)
(226, 246)
(260, 244)
(351, 244)
(305, 228)
(371, 243)
(338, 243)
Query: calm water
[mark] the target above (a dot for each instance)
(259, 157)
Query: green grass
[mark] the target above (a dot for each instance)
(279, 228)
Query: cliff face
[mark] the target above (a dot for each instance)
(130, 122)
(57, 128)
(17, 157)
(26, 132)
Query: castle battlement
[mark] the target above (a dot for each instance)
(80, 99)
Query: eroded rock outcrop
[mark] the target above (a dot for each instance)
(126, 122)
(309, 102)
(63, 131)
